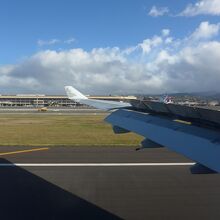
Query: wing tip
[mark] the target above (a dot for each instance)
(73, 93)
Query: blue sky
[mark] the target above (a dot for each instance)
(29, 29)
(92, 23)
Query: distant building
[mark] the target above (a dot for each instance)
(38, 100)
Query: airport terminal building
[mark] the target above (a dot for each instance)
(41, 100)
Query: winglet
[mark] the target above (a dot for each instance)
(77, 96)
(74, 94)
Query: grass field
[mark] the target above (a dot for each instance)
(49, 130)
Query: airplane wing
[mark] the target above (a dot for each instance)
(77, 96)
(191, 132)
(197, 143)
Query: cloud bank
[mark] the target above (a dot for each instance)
(155, 65)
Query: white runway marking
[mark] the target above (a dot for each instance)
(92, 164)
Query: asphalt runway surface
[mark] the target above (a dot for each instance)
(103, 183)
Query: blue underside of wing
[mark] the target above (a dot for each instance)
(199, 144)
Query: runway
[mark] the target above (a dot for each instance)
(52, 111)
(103, 183)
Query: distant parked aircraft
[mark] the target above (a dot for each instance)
(166, 99)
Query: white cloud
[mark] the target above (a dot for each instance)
(48, 42)
(169, 40)
(206, 31)
(148, 44)
(156, 65)
(70, 41)
(156, 11)
(202, 7)
(165, 32)
(42, 43)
